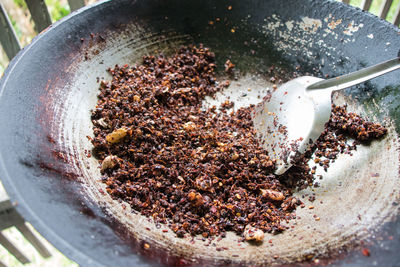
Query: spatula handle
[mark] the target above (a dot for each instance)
(357, 77)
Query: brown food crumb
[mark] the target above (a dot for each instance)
(229, 66)
(253, 234)
(227, 104)
(117, 135)
(355, 126)
(182, 165)
(189, 126)
(109, 162)
(273, 195)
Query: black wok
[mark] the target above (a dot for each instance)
(50, 87)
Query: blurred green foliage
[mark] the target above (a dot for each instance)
(17, 30)
(375, 7)
(57, 9)
(20, 3)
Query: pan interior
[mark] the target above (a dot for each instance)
(354, 197)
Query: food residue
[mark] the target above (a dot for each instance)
(201, 171)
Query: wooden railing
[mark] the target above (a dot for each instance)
(383, 9)
(40, 16)
(9, 217)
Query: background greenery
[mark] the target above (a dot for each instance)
(375, 6)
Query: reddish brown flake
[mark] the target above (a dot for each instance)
(366, 252)
(229, 66)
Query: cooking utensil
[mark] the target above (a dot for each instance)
(300, 109)
(48, 90)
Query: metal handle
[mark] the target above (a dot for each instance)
(357, 77)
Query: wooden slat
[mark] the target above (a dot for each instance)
(5, 202)
(30, 236)
(13, 249)
(9, 217)
(76, 4)
(8, 39)
(39, 13)
(384, 9)
(366, 4)
(396, 20)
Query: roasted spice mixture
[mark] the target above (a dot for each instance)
(200, 171)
